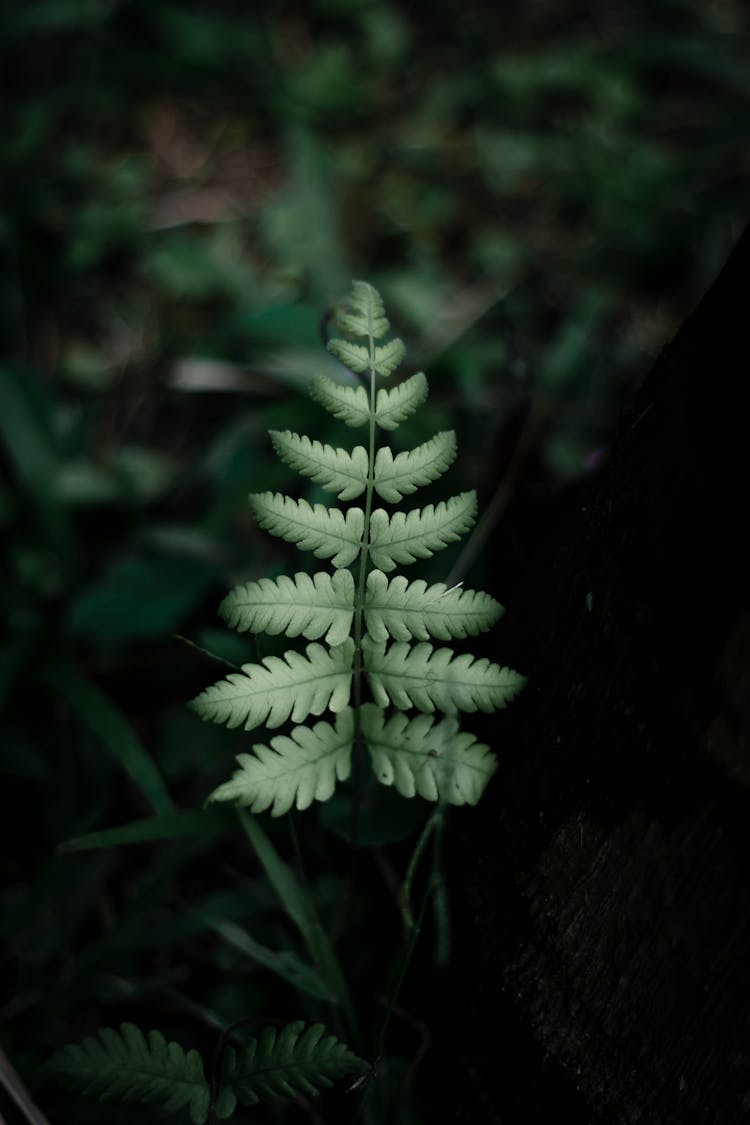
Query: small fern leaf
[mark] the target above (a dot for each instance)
(282, 1064)
(295, 770)
(328, 532)
(387, 357)
(433, 678)
(396, 477)
(407, 536)
(362, 313)
(305, 605)
(350, 404)
(434, 759)
(336, 470)
(281, 688)
(394, 406)
(354, 356)
(130, 1066)
(406, 610)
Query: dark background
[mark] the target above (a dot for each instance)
(541, 194)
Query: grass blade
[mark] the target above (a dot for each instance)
(300, 908)
(285, 964)
(109, 724)
(166, 826)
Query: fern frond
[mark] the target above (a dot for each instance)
(396, 477)
(362, 313)
(407, 536)
(278, 689)
(350, 404)
(428, 678)
(327, 532)
(131, 1066)
(305, 605)
(434, 759)
(287, 1062)
(404, 609)
(336, 470)
(297, 769)
(394, 406)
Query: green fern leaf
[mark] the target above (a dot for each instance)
(297, 769)
(348, 403)
(129, 1066)
(387, 357)
(394, 406)
(306, 605)
(336, 470)
(327, 532)
(407, 536)
(295, 1060)
(433, 759)
(404, 609)
(362, 313)
(396, 477)
(428, 678)
(278, 689)
(354, 356)
(283, 1064)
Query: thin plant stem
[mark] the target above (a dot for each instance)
(440, 901)
(406, 957)
(411, 870)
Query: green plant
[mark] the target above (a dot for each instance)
(129, 1066)
(360, 619)
(357, 612)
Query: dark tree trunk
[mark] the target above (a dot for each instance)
(603, 960)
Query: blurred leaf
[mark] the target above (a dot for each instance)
(301, 225)
(141, 597)
(166, 826)
(98, 712)
(26, 429)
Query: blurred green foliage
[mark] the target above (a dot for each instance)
(541, 194)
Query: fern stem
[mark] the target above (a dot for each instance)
(216, 1059)
(359, 603)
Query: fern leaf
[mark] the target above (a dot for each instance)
(387, 357)
(295, 770)
(327, 532)
(350, 404)
(131, 1066)
(404, 609)
(396, 477)
(407, 536)
(278, 689)
(434, 759)
(336, 470)
(394, 406)
(354, 356)
(362, 313)
(305, 605)
(287, 1062)
(428, 678)
(384, 360)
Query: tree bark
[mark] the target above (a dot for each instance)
(602, 968)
